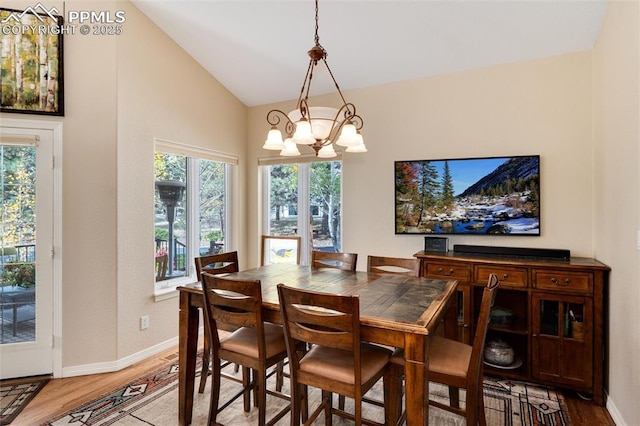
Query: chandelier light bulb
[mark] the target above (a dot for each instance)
(303, 134)
(274, 140)
(359, 147)
(290, 149)
(327, 151)
(348, 135)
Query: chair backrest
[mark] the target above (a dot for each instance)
(280, 249)
(324, 319)
(230, 303)
(477, 352)
(329, 259)
(393, 265)
(221, 263)
(161, 267)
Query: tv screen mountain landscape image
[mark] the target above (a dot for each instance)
(497, 195)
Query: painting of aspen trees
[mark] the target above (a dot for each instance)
(31, 63)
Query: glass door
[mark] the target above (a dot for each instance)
(305, 199)
(26, 256)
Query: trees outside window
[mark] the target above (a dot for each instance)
(200, 224)
(305, 196)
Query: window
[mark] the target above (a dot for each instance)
(191, 209)
(304, 199)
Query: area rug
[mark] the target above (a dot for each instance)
(15, 395)
(153, 400)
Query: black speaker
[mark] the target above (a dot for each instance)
(513, 251)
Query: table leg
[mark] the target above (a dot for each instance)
(417, 379)
(187, 353)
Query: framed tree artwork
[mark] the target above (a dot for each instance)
(32, 72)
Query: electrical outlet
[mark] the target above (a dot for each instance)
(144, 322)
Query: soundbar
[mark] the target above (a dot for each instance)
(513, 251)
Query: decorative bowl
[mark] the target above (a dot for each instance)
(499, 352)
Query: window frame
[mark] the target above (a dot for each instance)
(304, 195)
(192, 199)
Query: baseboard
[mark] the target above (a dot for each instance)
(615, 413)
(111, 366)
(513, 251)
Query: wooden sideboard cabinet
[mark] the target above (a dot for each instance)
(557, 318)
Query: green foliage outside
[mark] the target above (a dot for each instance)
(18, 195)
(19, 274)
(325, 185)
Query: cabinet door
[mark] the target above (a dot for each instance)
(562, 342)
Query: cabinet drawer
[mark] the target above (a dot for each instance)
(509, 277)
(454, 271)
(563, 280)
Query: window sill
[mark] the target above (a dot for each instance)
(169, 289)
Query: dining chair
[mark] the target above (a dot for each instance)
(393, 265)
(329, 259)
(280, 249)
(456, 365)
(161, 267)
(256, 345)
(215, 264)
(221, 263)
(337, 361)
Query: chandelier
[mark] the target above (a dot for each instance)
(317, 127)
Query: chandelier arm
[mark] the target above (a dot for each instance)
(306, 84)
(274, 117)
(344, 101)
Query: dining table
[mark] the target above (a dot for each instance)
(395, 310)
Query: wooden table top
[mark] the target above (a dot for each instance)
(398, 302)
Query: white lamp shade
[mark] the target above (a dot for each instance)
(290, 149)
(274, 140)
(303, 134)
(359, 147)
(321, 121)
(327, 151)
(348, 136)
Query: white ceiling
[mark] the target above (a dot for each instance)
(257, 49)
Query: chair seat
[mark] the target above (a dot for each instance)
(446, 357)
(245, 341)
(337, 365)
(449, 358)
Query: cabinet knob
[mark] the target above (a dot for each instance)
(566, 281)
(465, 325)
(505, 276)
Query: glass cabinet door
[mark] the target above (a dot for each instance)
(561, 339)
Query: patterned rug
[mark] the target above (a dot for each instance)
(15, 395)
(153, 400)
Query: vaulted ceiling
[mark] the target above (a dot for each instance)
(257, 49)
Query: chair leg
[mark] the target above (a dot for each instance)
(482, 419)
(215, 393)
(261, 398)
(393, 390)
(328, 415)
(206, 359)
(279, 376)
(246, 380)
(454, 396)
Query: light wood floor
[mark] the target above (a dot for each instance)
(61, 395)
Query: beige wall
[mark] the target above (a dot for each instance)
(121, 92)
(535, 107)
(616, 89)
(162, 93)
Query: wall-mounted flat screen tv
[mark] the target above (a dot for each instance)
(467, 196)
